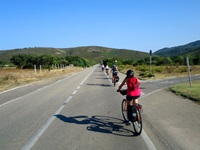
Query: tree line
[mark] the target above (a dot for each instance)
(156, 60)
(46, 61)
(27, 61)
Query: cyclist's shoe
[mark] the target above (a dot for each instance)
(127, 122)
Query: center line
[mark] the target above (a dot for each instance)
(39, 133)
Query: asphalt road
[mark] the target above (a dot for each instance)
(82, 111)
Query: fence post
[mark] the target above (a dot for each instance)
(35, 68)
(189, 75)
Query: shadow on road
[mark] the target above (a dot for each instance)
(106, 85)
(102, 124)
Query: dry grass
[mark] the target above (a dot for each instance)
(162, 72)
(10, 78)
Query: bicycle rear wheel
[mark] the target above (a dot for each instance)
(114, 82)
(137, 124)
(124, 109)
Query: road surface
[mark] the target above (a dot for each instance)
(83, 111)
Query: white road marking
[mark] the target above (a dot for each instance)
(147, 140)
(9, 102)
(15, 88)
(74, 92)
(39, 133)
(30, 92)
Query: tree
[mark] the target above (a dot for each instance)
(19, 60)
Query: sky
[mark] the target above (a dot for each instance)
(141, 25)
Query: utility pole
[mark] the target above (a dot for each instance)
(150, 63)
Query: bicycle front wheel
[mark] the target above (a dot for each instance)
(124, 110)
(137, 124)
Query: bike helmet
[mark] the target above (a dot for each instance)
(130, 73)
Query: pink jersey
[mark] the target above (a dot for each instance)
(133, 87)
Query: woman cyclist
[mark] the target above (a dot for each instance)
(133, 92)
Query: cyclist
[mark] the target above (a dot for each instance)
(114, 72)
(107, 69)
(102, 67)
(133, 92)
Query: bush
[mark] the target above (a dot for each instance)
(151, 75)
(158, 69)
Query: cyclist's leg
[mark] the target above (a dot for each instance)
(129, 108)
(136, 103)
(113, 78)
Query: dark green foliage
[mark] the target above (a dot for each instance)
(2, 64)
(46, 61)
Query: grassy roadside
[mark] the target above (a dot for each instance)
(10, 78)
(185, 90)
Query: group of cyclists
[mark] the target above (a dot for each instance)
(133, 88)
(114, 71)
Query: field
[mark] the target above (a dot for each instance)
(10, 78)
(160, 72)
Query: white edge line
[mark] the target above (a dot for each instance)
(32, 91)
(147, 140)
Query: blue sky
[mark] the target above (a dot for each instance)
(125, 24)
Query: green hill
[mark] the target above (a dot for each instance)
(190, 48)
(95, 53)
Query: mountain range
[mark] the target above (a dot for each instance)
(98, 53)
(192, 48)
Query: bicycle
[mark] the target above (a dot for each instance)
(115, 78)
(136, 114)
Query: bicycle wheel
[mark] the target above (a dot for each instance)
(137, 124)
(124, 109)
(114, 82)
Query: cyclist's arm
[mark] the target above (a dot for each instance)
(122, 84)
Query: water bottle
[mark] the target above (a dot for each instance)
(134, 115)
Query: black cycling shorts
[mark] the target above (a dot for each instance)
(129, 98)
(114, 74)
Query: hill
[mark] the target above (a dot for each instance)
(190, 48)
(95, 53)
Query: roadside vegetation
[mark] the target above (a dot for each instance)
(185, 90)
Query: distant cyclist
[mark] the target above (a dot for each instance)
(102, 67)
(107, 69)
(133, 91)
(114, 72)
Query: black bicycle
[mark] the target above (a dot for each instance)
(115, 78)
(136, 114)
